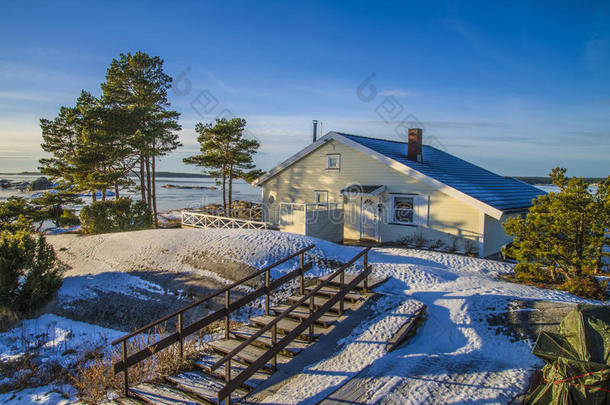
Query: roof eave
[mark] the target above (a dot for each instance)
(488, 209)
(297, 156)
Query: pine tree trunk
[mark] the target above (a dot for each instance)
(93, 196)
(224, 188)
(230, 189)
(57, 214)
(154, 193)
(116, 191)
(148, 188)
(103, 194)
(142, 184)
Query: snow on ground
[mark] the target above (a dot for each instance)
(44, 395)
(91, 285)
(50, 340)
(171, 248)
(62, 230)
(456, 357)
(54, 339)
(365, 345)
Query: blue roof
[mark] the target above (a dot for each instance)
(503, 193)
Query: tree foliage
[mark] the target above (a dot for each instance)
(115, 216)
(225, 153)
(29, 274)
(563, 237)
(96, 144)
(16, 214)
(136, 87)
(86, 151)
(52, 206)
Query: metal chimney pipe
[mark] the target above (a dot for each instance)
(315, 130)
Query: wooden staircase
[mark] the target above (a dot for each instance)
(205, 384)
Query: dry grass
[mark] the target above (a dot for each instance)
(95, 380)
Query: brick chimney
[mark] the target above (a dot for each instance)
(415, 144)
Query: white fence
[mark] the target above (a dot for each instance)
(252, 213)
(198, 220)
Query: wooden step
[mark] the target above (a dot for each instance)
(302, 312)
(202, 385)
(330, 291)
(206, 362)
(163, 395)
(127, 401)
(248, 354)
(319, 301)
(245, 332)
(372, 281)
(406, 329)
(287, 325)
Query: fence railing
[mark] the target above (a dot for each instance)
(200, 220)
(253, 213)
(308, 323)
(182, 331)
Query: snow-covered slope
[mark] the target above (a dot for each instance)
(456, 357)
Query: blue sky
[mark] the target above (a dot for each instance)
(515, 87)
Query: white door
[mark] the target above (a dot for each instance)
(369, 218)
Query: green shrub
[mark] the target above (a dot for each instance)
(115, 216)
(29, 274)
(68, 218)
(535, 273)
(42, 279)
(586, 286)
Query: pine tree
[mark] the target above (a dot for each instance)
(137, 86)
(17, 214)
(52, 204)
(86, 152)
(225, 153)
(563, 236)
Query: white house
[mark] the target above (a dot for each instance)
(350, 187)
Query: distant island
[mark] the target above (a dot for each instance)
(547, 180)
(158, 174)
(175, 174)
(21, 174)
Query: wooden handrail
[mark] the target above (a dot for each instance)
(210, 296)
(182, 332)
(297, 331)
(286, 312)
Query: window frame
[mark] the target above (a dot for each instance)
(333, 155)
(315, 198)
(394, 220)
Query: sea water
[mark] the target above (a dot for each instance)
(168, 199)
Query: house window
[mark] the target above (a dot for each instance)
(403, 209)
(321, 197)
(333, 162)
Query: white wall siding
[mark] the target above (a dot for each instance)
(495, 237)
(448, 217)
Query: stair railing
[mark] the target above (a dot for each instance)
(128, 360)
(233, 383)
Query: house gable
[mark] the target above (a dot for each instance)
(300, 181)
(393, 164)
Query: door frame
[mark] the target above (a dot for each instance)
(361, 216)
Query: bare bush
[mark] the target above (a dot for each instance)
(95, 380)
